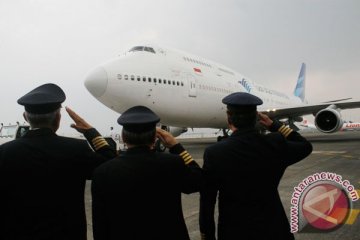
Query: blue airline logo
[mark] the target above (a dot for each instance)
(245, 84)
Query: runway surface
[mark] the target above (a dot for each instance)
(337, 153)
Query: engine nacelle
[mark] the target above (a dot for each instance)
(176, 131)
(328, 120)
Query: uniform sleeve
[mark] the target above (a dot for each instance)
(296, 147)
(99, 144)
(192, 173)
(208, 195)
(99, 216)
(101, 153)
(6, 216)
(2, 204)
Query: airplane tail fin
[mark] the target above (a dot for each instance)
(300, 85)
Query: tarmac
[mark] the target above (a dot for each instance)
(337, 153)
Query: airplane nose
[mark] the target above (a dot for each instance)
(96, 81)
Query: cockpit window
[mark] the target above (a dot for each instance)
(142, 48)
(149, 49)
(137, 48)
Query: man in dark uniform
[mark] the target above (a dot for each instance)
(138, 194)
(42, 175)
(245, 170)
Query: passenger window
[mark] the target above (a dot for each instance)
(169, 82)
(154, 80)
(149, 79)
(173, 82)
(132, 77)
(182, 84)
(144, 79)
(119, 76)
(159, 80)
(126, 77)
(138, 78)
(177, 83)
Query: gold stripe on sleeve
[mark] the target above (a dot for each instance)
(96, 140)
(288, 131)
(203, 236)
(183, 153)
(188, 161)
(97, 147)
(284, 131)
(186, 157)
(99, 142)
(281, 128)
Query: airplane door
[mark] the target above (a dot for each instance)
(192, 85)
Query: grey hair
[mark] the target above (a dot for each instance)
(139, 139)
(42, 120)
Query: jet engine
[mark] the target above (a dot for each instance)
(176, 131)
(329, 120)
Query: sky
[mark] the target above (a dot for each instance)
(44, 41)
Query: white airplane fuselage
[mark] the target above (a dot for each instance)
(183, 89)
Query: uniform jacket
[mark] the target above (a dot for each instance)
(138, 195)
(244, 171)
(42, 181)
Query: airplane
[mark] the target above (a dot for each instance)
(186, 90)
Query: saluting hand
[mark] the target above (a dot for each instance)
(166, 138)
(264, 120)
(80, 124)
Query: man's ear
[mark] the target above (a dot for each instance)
(24, 115)
(57, 121)
(229, 118)
(58, 116)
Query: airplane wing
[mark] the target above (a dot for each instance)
(300, 110)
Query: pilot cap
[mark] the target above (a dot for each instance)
(138, 119)
(242, 101)
(43, 99)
